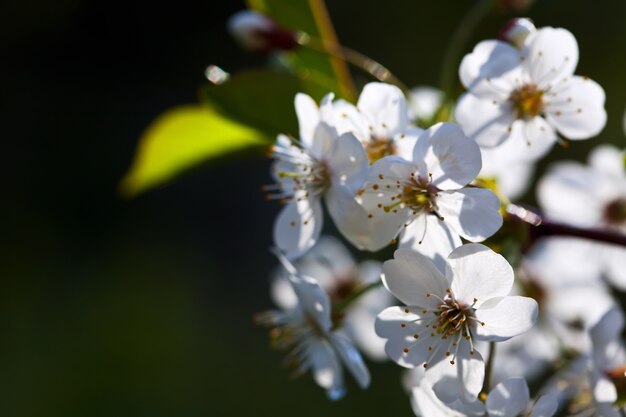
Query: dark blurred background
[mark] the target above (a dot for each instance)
(111, 307)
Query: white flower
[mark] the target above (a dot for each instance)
(509, 398)
(331, 264)
(558, 270)
(527, 95)
(608, 365)
(380, 120)
(445, 314)
(305, 329)
(321, 164)
(591, 196)
(426, 199)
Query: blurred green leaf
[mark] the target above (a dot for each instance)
(263, 99)
(182, 138)
(310, 17)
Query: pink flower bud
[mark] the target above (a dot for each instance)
(258, 33)
(516, 31)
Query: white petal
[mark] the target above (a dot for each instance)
(512, 175)
(577, 109)
(536, 137)
(473, 213)
(350, 217)
(385, 106)
(604, 390)
(568, 193)
(432, 238)
(488, 123)
(379, 192)
(348, 119)
(308, 117)
(545, 406)
(326, 369)
(463, 380)
(511, 316)
(323, 142)
(411, 277)
(489, 58)
(605, 336)
(313, 300)
(609, 160)
(352, 359)
(426, 403)
(508, 399)
(348, 162)
(398, 325)
(614, 258)
(298, 227)
(550, 54)
(424, 102)
(478, 272)
(405, 143)
(444, 152)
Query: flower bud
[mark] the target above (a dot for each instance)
(516, 31)
(258, 33)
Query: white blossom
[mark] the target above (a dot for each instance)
(608, 365)
(526, 95)
(592, 196)
(380, 120)
(305, 329)
(426, 200)
(445, 314)
(334, 268)
(320, 164)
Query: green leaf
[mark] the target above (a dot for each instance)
(182, 138)
(263, 99)
(310, 17)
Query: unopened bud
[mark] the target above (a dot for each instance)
(258, 33)
(516, 31)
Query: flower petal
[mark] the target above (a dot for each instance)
(608, 159)
(478, 272)
(298, 227)
(550, 54)
(348, 162)
(326, 368)
(308, 117)
(405, 143)
(577, 108)
(399, 325)
(352, 359)
(411, 277)
(509, 317)
(350, 218)
(445, 153)
(463, 380)
(487, 122)
(386, 108)
(473, 213)
(508, 399)
(432, 238)
(490, 58)
(323, 142)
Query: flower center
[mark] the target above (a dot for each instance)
(615, 212)
(527, 101)
(378, 147)
(454, 318)
(418, 194)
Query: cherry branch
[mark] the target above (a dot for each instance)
(544, 228)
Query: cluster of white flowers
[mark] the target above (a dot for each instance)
(386, 178)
